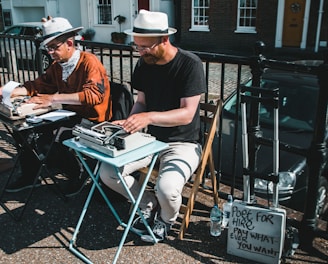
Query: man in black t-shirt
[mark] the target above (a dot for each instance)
(170, 82)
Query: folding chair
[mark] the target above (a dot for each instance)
(209, 119)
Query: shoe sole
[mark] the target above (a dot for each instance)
(140, 232)
(23, 188)
(150, 239)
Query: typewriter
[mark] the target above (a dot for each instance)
(110, 139)
(20, 109)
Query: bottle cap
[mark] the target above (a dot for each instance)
(230, 198)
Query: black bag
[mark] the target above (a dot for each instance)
(122, 100)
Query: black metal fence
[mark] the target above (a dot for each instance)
(224, 74)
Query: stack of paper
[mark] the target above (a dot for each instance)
(57, 115)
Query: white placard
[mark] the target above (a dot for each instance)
(256, 233)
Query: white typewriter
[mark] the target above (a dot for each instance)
(17, 107)
(20, 109)
(110, 139)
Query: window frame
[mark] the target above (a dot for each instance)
(199, 8)
(243, 28)
(101, 13)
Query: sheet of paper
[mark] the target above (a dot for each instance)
(57, 115)
(7, 90)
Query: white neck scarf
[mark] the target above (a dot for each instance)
(69, 66)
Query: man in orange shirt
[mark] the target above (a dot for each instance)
(79, 82)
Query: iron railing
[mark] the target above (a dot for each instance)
(224, 74)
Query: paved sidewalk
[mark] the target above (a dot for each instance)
(43, 234)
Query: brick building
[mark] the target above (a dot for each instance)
(235, 25)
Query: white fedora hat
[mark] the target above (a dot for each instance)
(150, 24)
(56, 27)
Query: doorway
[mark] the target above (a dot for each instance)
(293, 23)
(143, 4)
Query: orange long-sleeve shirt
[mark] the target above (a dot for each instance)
(89, 79)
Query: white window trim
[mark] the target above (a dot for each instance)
(251, 30)
(204, 28)
(200, 28)
(243, 29)
(96, 12)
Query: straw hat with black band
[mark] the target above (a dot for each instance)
(150, 24)
(57, 27)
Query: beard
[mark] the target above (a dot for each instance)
(153, 58)
(150, 59)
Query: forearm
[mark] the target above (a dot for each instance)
(176, 117)
(72, 99)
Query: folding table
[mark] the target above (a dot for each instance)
(20, 127)
(150, 149)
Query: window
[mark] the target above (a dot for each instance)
(105, 12)
(7, 18)
(246, 18)
(200, 15)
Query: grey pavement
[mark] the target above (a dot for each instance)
(44, 232)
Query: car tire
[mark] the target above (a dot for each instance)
(322, 202)
(46, 60)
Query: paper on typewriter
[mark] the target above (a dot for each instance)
(6, 92)
(16, 107)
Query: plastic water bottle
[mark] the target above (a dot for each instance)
(216, 221)
(227, 211)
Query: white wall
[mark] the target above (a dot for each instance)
(83, 13)
(103, 32)
(34, 10)
(166, 6)
(24, 11)
(126, 8)
(71, 10)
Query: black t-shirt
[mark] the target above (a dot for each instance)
(165, 85)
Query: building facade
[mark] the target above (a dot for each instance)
(238, 24)
(96, 14)
(208, 25)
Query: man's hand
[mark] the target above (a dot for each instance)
(136, 122)
(118, 122)
(42, 100)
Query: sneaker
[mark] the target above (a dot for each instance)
(75, 186)
(138, 225)
(160, 230)
(21, 184)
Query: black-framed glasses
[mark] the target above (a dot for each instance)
(53, 48)
(144, 48)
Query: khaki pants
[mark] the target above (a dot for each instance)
(177, 163)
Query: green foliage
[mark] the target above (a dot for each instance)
(120, 20)
(88, 34)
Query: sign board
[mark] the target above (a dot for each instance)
(256, 233)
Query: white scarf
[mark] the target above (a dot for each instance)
(69, 66)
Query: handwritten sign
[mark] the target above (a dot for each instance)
(256, 233)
